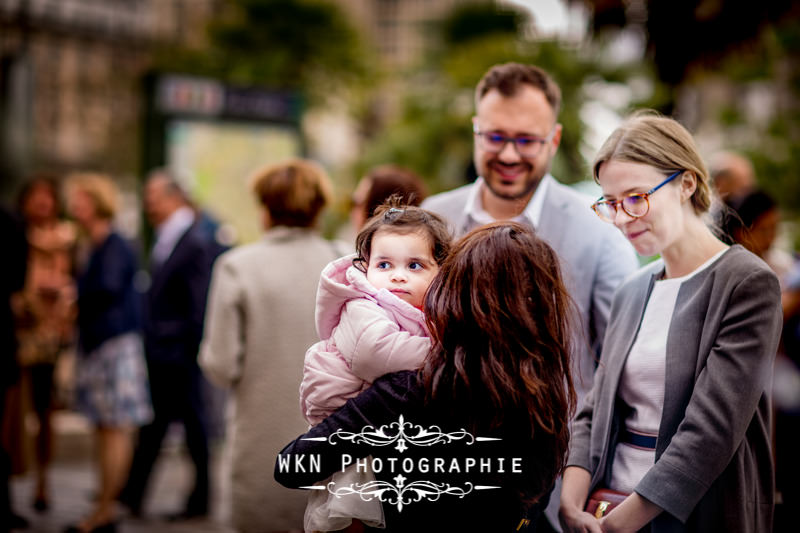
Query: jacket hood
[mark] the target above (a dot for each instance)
(340, 282)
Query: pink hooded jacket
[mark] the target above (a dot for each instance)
(366, 333)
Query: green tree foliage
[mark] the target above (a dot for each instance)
(775, 149)
(433, 133)
(743, 46)
(303, 45)
(475, 20)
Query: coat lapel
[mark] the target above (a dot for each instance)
(683, 342)
(161, 272)
(554, 221)
(622, 331)
(627, 329)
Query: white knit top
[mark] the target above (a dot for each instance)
(641, 385)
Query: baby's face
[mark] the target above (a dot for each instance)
(403, 264)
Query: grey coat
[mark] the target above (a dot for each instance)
(713, 469)
(594, 256)
(259, 323)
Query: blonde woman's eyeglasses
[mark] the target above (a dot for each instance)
(635, 205)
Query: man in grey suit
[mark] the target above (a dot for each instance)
(516, 136)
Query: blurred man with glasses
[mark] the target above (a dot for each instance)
(517, 133)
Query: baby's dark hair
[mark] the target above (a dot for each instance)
(394, 217)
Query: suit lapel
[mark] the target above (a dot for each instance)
(555, 227)
(161, 272)
(553, 222)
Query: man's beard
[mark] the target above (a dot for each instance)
(530, 182)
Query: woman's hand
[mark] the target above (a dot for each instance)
(574, 490)
(575, 520)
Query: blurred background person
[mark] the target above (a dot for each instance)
(12, 280)
(786, 395)
(732, 174)
(44, 311)
(111, 376)
(752, 221)
(259, 322)
(180, 268)
(378, 185)
(219, 237)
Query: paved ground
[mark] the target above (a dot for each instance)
(72, 484)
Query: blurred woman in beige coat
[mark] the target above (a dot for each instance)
(259, 322)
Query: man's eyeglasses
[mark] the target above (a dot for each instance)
(526, 145)
(635, 205)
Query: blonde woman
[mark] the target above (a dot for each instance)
(111, 375)
(678, 417)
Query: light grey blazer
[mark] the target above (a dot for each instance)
(259, 324)
(713, 469)
(595, 257)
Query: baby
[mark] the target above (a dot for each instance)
(369, 313)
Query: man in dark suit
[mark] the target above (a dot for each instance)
(12, 279)
(173, 324)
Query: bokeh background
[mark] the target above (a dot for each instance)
(216, 88)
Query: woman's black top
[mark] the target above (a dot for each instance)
(448, 465)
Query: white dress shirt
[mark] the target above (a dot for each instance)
(641, 386)
(530, 215)
(169, 232)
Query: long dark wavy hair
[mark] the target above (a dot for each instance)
(499, 317)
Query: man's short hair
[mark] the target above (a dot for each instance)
(508, 78)
(171, 183)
